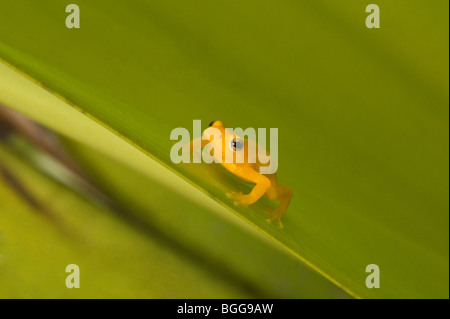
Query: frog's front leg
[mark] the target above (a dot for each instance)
(262, 185)
(197, 143)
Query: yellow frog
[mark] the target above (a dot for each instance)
(247, 170)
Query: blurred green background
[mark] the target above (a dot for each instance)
(363, 142)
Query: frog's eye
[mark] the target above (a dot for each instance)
(236, 145)
(212, 123)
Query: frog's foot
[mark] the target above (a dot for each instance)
(240, 199)
(276, 217)
(268, 210)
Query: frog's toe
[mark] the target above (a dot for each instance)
(275, 217)
(237, 203)
(240, 199)
(234, 195)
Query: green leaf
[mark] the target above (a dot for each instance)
(362, 114)
(157, 203)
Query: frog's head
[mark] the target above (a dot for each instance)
(216, 128)
(235, 143)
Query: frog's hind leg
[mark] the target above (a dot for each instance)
(283, 194)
